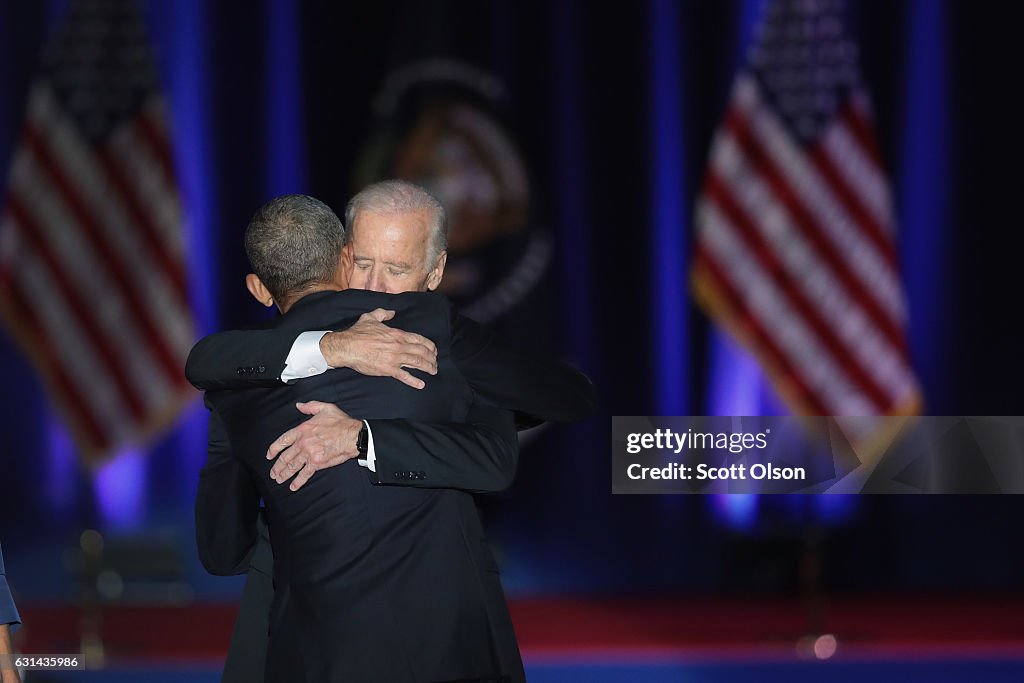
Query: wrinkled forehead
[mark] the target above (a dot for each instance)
(404, 230)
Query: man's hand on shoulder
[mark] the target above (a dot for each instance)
(325, 440)
(372, 348)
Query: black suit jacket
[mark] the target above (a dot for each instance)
(535, 387)
(471, 457)
(389, 583)
(478, 456)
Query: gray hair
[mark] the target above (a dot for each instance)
(293, 242)
(401, 196)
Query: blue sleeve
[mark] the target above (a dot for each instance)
(8, 612)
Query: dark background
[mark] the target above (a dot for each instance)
(272, 97)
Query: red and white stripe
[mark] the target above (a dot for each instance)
(92, 276)
(795, 248)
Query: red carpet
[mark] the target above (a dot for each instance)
(565, 626)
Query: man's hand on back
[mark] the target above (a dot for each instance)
(372, 348)
(324, 440)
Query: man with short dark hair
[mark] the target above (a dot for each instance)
(293, 243)
(452, 630)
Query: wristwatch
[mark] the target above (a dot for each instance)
(363, 441)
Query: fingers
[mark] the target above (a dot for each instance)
(418, 361)
(373, 349)
(287, 465)
(405, 378)
(315, 408)
(419, 340)
(378, 314)
(313, 444)
(282, 442)
(293, 435)
(303, 476)
(311, 407)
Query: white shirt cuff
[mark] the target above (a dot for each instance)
(305, 359)
(370, 461)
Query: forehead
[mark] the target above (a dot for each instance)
(398, 230)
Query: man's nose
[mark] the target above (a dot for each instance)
(377, 283)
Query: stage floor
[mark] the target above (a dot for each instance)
(597, 671)
(610, 640)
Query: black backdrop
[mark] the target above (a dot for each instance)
(578, 100)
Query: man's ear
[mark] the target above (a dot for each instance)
(258, 290)
(434, 278)
(345, 262)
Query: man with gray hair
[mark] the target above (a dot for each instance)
(395, 245)
(398, 234)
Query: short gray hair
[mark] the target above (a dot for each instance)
(401, 196)
(294, 242)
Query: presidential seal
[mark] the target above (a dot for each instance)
(438, 123)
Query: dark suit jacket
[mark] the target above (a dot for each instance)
(539, 389)
(407, 550)
(479, 455)
(8, 612)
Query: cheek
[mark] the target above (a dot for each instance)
(389, 284)
(357, 278)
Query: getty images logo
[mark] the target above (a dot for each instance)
(666, 439)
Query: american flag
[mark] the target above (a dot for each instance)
(92, 279)
(795, 250)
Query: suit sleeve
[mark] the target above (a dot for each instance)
(227, 507)
(537, 388)
(239, 359)
(8, 612)
(479, 456)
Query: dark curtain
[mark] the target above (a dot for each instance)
(612, 109)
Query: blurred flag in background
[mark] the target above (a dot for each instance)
(795, 252)
(92, 277)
